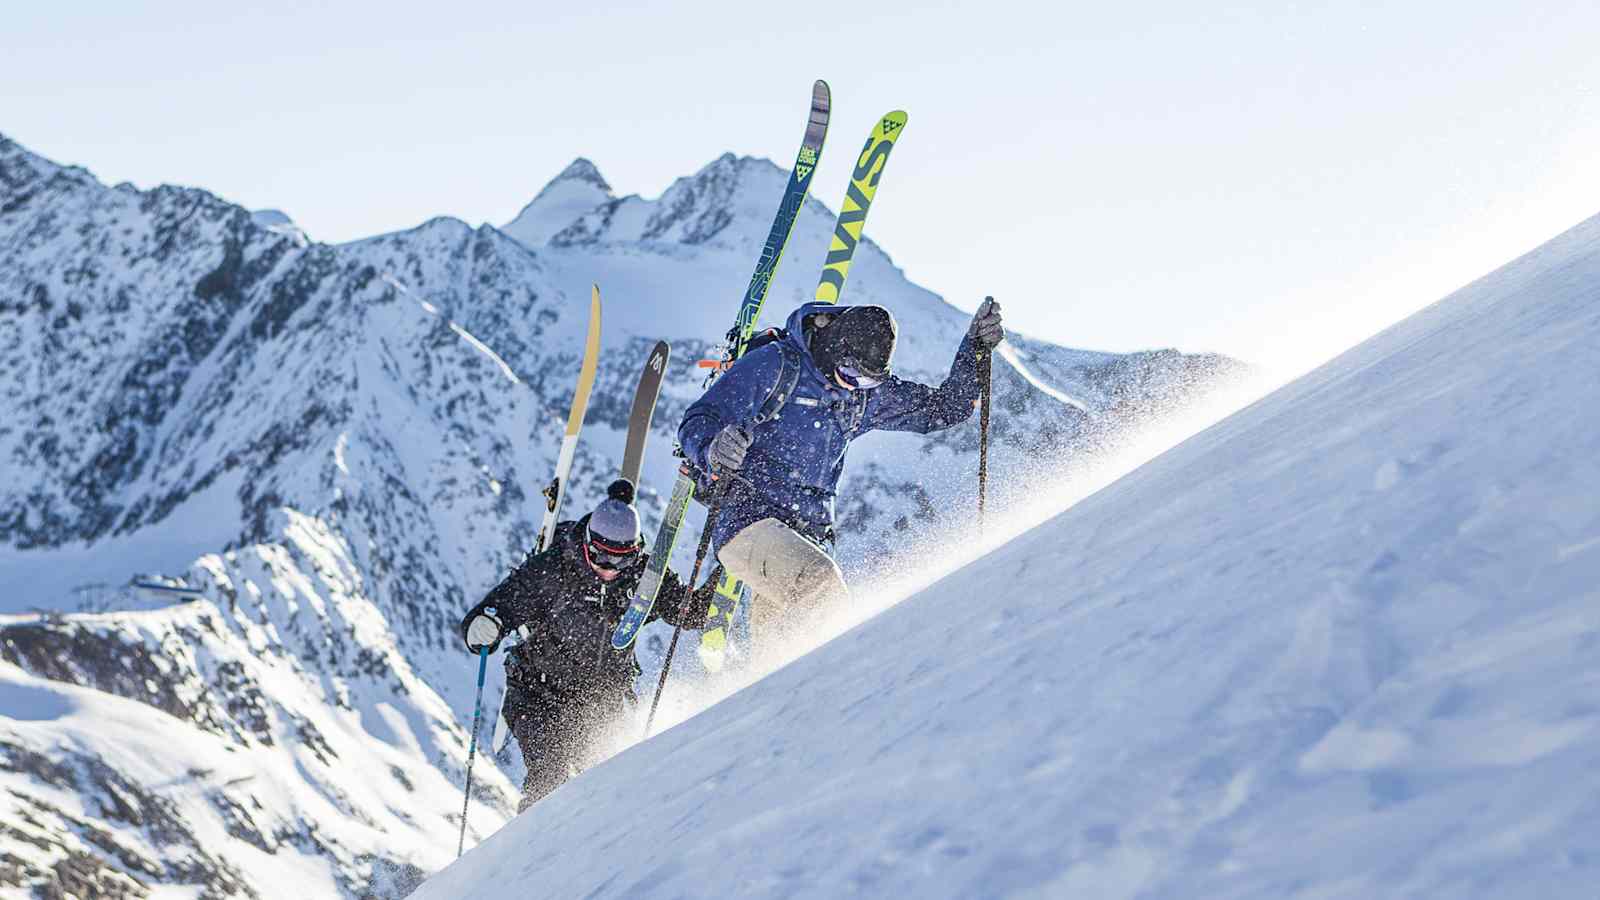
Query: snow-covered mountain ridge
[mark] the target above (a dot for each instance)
(332, 449)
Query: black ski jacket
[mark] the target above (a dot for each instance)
(570, 614)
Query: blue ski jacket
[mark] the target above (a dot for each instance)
(792, 470)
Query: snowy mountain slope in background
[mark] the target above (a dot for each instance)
(333, 449)
(1342, 644)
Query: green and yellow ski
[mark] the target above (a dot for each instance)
(857, 202)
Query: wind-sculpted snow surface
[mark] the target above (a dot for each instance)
(253, 480)
(1342, 645)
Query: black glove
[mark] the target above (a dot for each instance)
(986, 329)
(481, 629)
(729, 447)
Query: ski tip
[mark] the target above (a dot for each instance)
(889, 126)
(816, 124)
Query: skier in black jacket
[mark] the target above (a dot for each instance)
(564, 682)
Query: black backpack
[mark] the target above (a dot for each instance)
(789, 368)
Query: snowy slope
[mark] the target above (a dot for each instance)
(1342, 644)
(329, 451)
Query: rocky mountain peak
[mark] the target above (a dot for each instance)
(278, 222)
(727, 201)
(18, 167)
(579, 189)
(581, 169)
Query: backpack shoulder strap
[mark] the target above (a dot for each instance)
(783, 387)
(858, 410)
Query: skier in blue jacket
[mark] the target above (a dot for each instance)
(774, 429)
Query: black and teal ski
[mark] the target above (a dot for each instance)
(794, 197)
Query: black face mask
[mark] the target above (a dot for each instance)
(860, 338)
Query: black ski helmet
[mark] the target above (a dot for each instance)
(861, 337)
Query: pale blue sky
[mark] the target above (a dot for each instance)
(1273, 181)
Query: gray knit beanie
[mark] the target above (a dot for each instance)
(615, 521)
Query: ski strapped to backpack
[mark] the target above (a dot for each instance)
(556, 491)
(794, 196)
(858, 197)
(644, 409)
(847, 232)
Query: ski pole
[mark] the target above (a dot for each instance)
(986, 394)
(683, 608)
(472, 748)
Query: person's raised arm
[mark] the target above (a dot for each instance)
(898, 405)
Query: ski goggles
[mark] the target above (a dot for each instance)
(856, 378)
(602, 554)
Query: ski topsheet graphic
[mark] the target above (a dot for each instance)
(557, 489)
(660, 550)
(644, 409)
(857, 202)
(847, 232)
(794, 197)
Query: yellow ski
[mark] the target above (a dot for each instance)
(857, 201)
(557, 489)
